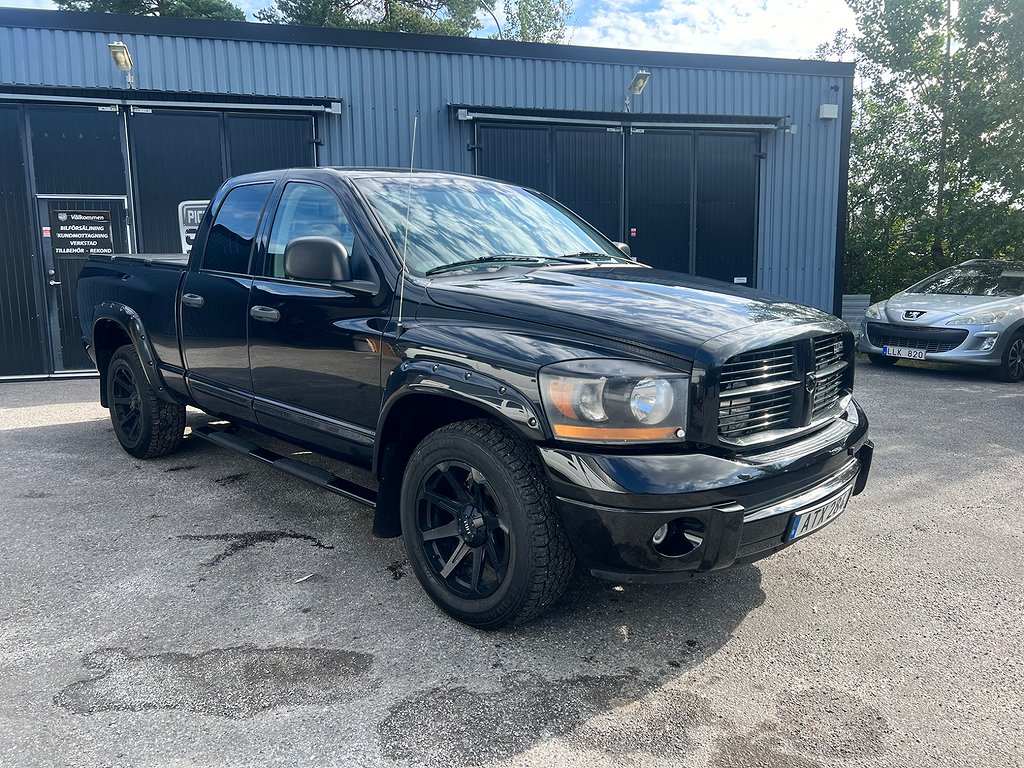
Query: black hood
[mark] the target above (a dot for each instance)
(667, 311)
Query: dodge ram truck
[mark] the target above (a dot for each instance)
(527, 397)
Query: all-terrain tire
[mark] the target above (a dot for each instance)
(145, 425)
(489, 481)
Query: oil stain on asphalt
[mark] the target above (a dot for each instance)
(239, 541)
(230, 682)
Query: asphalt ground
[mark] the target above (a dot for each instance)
(201, 609)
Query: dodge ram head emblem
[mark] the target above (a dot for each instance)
(811, 383)
(912, 314)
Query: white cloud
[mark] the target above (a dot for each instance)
(784, 28)
(45, 4)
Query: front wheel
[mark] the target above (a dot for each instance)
(145, 425)
(882, 360)
(479, 527)
(1011, 367)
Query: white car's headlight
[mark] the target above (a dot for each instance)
(875, 311)
(615, 401)
(981, 318)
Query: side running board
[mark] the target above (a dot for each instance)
(300, 469)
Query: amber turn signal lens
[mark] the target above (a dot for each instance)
(611, 433)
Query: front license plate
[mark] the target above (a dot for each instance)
(909, 354)
(814, 518)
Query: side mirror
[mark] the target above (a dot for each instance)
(624, 248)
(317, 258)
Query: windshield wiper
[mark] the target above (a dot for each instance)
(592, 256)
(501, 258)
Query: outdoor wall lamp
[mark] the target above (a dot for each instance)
(637, 85)
(122, 60)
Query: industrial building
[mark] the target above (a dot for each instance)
(116, 129)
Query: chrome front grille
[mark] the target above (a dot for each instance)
(782, 389)
(755, 391)
(829, 367)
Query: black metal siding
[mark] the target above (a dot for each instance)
(22, 347)
(587, 168)
(77, 151)
(164, 143)
(267, 142)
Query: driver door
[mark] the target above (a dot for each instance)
(314, 349)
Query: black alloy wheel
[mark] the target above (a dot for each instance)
(125, 401)
(1011, 368)
(146, 425)
(479, 525)
(461, 531)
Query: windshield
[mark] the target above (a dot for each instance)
(975, 280)
(457, 219)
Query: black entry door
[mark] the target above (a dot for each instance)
(660, 198)
(725, 231)
(73, 229)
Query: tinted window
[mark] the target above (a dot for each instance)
(455, 218)
(986, 279)
(306, 210)
(230, 241)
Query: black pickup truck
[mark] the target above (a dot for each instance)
(526, 396)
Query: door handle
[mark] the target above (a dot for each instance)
(53, 282)
(192, 300)
(265, 314)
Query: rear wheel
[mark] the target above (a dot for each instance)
(479, 527)
(145, 425)
(1011, 367)
(882, 360)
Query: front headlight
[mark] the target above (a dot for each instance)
(614, 401)
(982, 318)
(874, 312)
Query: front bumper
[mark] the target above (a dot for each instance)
(720, 510)
(977, 345)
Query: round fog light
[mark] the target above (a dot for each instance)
(660, 534)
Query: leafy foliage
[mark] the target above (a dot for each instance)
(536, 21)
(531, 20)
(223, 10)
(937, 152)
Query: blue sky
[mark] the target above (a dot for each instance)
(786, 28)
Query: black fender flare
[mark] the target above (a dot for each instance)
(458, 382)
(129, 321)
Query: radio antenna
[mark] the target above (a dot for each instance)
(405, 235)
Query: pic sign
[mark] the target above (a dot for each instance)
(81, 233)
(190, 213)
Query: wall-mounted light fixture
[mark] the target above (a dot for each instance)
(122, 60)
(636, 85)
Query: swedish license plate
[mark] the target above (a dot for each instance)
(814, 518)
(909, 354)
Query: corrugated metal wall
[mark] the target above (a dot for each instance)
(383, 89)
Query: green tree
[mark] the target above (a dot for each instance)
(937, 152)
(535, 21)
(530, 20)
(223, 10)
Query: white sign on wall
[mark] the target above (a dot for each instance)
(190, 213)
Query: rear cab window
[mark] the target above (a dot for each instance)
(229, 245)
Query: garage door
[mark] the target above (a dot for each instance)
(213, 146)
(580, 167)
(683, 200)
